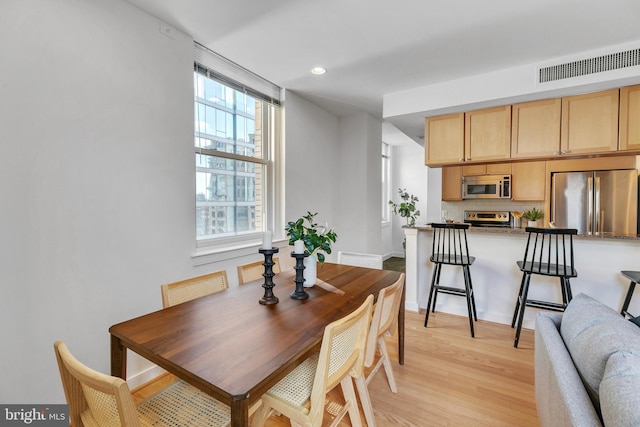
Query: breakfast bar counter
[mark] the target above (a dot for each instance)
(496, 279)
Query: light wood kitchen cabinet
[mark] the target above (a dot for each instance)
(630, 118)
(490, 169)
(487, 134)
(444, 139)
(452, 183)
(535, 129)
(528, 181)
(589, 123)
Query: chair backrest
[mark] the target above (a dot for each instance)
(341, 354)
(450, 244)
(94, 398)
(549, 251)
(360, 259)
(385, 317)
(195, 287)
(253, 271)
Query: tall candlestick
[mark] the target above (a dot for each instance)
(266, 240)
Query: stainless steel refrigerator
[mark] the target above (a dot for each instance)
(596, 202)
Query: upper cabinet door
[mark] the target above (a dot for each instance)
(630, 118)
(590, 123)
(535, 129)
(488, 134)
(444, 139)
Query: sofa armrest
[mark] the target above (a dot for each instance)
(561, 398)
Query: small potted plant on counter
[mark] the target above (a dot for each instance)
(316, 238)
(532, 216)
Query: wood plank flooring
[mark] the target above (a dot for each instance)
(449, 378)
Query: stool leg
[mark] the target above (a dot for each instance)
(473, 297)
(627, 299)
(432, 289)
(523, 304)
(469, 295)
(515, 312)
(435, 294)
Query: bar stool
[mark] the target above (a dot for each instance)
(634, 277)
(549, 252)
(450, 247)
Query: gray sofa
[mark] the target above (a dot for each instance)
(587, 366)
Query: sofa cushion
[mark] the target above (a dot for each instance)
(619, 390)
(592, 332)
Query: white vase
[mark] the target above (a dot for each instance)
(532, 223)
(310, 271)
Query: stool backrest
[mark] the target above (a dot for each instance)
(450, 244)
(549, 252)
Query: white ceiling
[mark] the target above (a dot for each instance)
(375, 47)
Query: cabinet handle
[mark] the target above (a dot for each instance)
(462, 159)
(564, 152)
(556, 153)
(468, 158)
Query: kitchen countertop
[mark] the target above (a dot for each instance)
(521, 231)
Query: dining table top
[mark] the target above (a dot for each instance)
(234, 348)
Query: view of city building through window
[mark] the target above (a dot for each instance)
(230, 160)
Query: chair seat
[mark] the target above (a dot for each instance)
(545, 269)
(295, 389)
(452, 260)
(168, 409)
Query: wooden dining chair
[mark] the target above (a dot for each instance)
(253, 271)
(195, 287)
(97, 399)
(302, 394)
(383, 324)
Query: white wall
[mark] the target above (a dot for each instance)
(357, 188)
(96, 172)
(311, 147)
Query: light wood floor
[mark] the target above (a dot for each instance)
(449, 378)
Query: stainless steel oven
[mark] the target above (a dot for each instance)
(488, 218)
(486, 187)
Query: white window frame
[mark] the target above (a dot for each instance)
(386, 182)
(226, 247)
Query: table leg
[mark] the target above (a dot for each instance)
(401, 328)
(118, 358)
(239, 413)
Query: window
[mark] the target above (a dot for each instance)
(234, 142)
(386, 181)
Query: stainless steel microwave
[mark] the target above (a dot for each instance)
(486, 187)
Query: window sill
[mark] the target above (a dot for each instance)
(223, 252)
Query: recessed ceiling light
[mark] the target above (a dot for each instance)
(318, 71)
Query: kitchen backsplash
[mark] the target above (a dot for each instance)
(455, 210)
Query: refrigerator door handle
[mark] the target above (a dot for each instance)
(590, 206)
(597, 214)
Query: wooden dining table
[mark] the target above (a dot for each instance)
(235, 349)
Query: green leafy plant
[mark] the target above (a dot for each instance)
(533, 214)
(406, 208)
(316, 238)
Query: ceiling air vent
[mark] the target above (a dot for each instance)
(598, 64)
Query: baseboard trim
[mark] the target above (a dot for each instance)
(144, 377)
